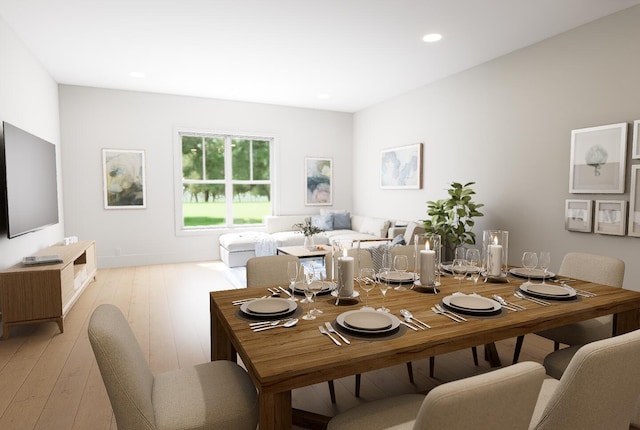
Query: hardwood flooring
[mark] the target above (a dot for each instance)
(50, 380)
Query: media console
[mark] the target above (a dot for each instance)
(44, 293)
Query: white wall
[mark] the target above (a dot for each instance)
(506, 125)
(93, 119)
(28, 100)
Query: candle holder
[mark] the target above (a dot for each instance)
(495, 255)
(344, 265)
(428, 262)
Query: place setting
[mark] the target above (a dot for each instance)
(368, 324)
(469, 304)
(268, 308)
(540, 291)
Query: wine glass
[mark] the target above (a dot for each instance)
(529, 261)
(459, 269)
(309, 274)
(383, 284)
(292, 271)
(400, 264)
(316, 287)
(473, 258)
(367, 283)
(544, 262)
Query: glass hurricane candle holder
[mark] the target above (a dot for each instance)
(495, 254)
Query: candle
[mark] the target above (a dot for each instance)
(345, 280)
(427, 267)
(495, 258)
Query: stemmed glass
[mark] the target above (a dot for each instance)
(292, 271)
(383, 284)
(529, 261)
(400, 264)
(316, 287)
(473, 258)
(544, 262)
(309, 274)
(367, 283)
(459, 269)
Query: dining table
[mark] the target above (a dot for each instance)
(282, 359)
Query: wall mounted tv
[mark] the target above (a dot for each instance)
(30, 181)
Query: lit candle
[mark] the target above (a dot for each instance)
(427, 266)
(495, 258)
(345, 280)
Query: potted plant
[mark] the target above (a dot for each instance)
(308, 230)
(452, 218)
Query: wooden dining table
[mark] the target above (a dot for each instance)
(282, 359)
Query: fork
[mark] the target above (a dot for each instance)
(333, 330)
(440, 308)
(436, 311)
(324, 331)
(531, 299)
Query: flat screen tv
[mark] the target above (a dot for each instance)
(30, 181)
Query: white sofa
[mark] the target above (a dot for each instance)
(237, 248)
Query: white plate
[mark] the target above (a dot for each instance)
(271, 306)
(398, 277)
(470, 303)
(530, 273)
(374, 317)
(548, 291)
(355, 294)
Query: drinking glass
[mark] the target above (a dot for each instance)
(366, 281)
(529, 261)
(544, 262)
(473, 258)
(309, 274)
(459, 270)
(316, 287)
(400, 264)
(292, 271)
(383, 284)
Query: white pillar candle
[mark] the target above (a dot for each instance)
(345, 282)
(427, 267)
(495, 260)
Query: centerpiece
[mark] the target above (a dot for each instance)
(308, 229)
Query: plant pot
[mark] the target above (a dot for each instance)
(309, 243)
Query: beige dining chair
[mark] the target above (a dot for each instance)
(599, 388)
(362, 258)
(600, 269)
(269, 270)
(503, 399)
(213, 395)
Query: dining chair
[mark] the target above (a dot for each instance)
(362, 259)
(600, 269)
(599, 388)
(213, 395)
(268, 270)
(500, 399)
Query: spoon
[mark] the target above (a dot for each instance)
(286, 325)
(504, 303)
(409, 316)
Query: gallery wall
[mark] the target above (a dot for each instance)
(506, 125)
(93, 119)
(28, 100)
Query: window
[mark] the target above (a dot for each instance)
(226, 180)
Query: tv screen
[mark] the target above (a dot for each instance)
(30, 181)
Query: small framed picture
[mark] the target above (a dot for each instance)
(634, 206)
(401, 168)
(598, 159)
(123, 179)
(318, 180)
(578, 215)
(635, 153)
(611, 217)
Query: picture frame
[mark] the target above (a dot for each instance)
(123, 174)
(635, 151)
(578, 215)
(318, 181)
(401, 167)
(634, 204)
(610, 217)
(598, 159)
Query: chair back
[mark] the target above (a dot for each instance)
(593, 268)
(409, 251)
(362, 258)
(269, 270)
(599, 388)
(501, 399)
(124, 369)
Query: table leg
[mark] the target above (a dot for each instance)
(624, 322)
(275, 410)
(221, 347)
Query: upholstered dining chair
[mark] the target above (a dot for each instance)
(588, 267)
(501, 399)
(214, 395)
(269, 270)
(362, 259)
(599, 388)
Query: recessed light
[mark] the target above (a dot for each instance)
(137, 74)
(432, 37)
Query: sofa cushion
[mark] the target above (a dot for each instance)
(246, 241)
(342, 221)
(323, 222)
(377, 227)
(276, 223)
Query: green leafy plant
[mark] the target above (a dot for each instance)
(307, 228)
(452, 218)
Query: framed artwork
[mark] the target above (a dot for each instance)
(635, 153)
(401, 167)
(598, 159)
(611, 217)
(634, 206)
(319, 186)
(578, 215)
(123, 174)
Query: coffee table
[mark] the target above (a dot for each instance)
(302, 252)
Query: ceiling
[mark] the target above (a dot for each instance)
(284, 52)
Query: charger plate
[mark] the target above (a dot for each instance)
(271, 306)
(369, 322)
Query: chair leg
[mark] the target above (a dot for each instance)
(358, 380)
(518, 348)
(474, 351)
(410, 371)
(432, 366)
(332, 391)
(556, 345)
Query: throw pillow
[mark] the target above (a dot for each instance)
(410, 232)
(398, 240)
(323, 222)
(341, 221)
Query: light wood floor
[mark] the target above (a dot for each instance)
(50, 380)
